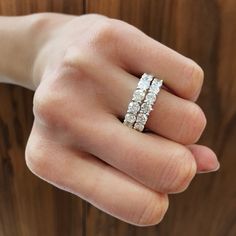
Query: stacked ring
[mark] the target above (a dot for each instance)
(142, 102)
(137, 99)
(147, 105)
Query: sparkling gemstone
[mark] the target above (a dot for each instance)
(154, 89)
(155, 86)
(134, 107)
(147, 77)
(130, 118)
(141, 118)
(139, 126)
(144, 75)
(146, 108)
(138, 95)
(128, 124)
(143, 84)
(157, 82)
(150, 98)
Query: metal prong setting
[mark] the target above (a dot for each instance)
(137, 99)
(146, 106)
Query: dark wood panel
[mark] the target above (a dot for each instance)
(29, 206)
(204, 31)
(19, 7)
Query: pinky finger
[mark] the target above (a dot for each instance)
(97, 182)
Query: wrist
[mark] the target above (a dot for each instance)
(22, 40)
(48, 27)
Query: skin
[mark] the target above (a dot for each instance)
(84, 71)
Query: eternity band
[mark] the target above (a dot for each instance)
(142, 102)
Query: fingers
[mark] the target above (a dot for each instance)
(172, 117)
(205, 158)
(91, 179)
(139, 53)
(156, 162)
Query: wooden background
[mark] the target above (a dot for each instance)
(204, 30)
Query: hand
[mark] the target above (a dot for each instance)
(85, 74)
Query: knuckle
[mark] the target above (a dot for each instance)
(46, 107)
(185, 171)
(153, 210)
(42, 106)
(168, 176)
(36, 158)
(104, 31)
(77, 60)
(107, 32)
(198, 122)
(193, 124)
(194, 77)
(41, 158)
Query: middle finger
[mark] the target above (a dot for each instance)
(172, 117)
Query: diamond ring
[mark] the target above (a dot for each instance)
(142, 102)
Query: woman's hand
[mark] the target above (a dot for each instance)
(85, 74)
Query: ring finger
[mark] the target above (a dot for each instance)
(172, 117)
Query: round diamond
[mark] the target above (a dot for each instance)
(133, 107)
(146, 108)
(147, 77)
(154, 88)
(150, 98)
(128, 124)
(143, 84)
(139, 126)
(157, 82)
(130, 118)
(138, 95)
(141, 118)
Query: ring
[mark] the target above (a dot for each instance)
(142, 102)
(137, 99)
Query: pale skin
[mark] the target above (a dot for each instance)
(84, 71)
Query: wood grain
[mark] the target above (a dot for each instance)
(28, 205)
(203, 30)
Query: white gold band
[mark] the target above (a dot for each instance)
(137, 99)
(147, 105)
(142, 102)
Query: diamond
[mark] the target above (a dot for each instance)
(147, 77)
(154, 88)
(130, 118)
(130, 125)
(143, 84)
(138, 95)
(157, 82)
(142, 118)
(146, 108)
(139, 126)
(150, 98)
(134, 107)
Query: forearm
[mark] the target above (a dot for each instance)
(17, 48)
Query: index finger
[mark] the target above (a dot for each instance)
(140, 53)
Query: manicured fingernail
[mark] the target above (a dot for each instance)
(213, 168)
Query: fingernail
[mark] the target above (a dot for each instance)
(211, 169)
